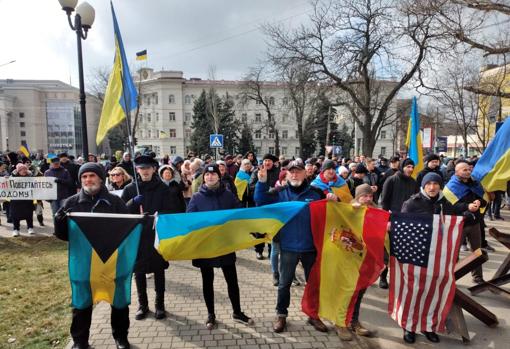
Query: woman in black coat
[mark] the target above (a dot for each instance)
(169, 176)
(213, 196)
(22, 209)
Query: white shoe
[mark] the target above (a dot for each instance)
(464, 248)
(30, 231)
(15, 233)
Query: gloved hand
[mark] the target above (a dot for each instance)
(60, 215)
(138, 199)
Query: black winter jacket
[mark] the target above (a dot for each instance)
(397, 189)
(421, 203)
(426, 170)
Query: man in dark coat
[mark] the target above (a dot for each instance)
(93, 197)
(433, 165)
(154, 196)
(65, 184)
(430, 199)
(72, 168)
(231, 165)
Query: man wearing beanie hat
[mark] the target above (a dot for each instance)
(433, 164)
(357, 178)
(396, 190)
(331, 184)
(93, 197)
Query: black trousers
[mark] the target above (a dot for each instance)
(141, 286)
(355, 313)
(80, 325)
(230, 274)
(260, 248)
(16, 222)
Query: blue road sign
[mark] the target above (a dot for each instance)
(216, 141)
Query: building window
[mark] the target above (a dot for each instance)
(171, 99)
(244, 117)
(171, 116)
(187, 99)
(257, 150)
(22, 133)
(155, 98)
(21, 124)
(383, 134)
(285, 101)
(21, 115)
(284, 150)
(149, 117)
(257, 134)
(271, 100)
(271, 135)
(173, 133)
(271, 150)
(173, 150)
(149, 134)
(383, 151)
(148, 100)
(157, 117)
(257, 101)
(285, 118)
(296, 151)
(285, 134)
(258, 117)
(187, 134)
(187, 117)
(296, 135)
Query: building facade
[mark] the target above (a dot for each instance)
(45, 114)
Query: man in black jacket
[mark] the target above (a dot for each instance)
(433, 165)
(72, 168)
(93, 197)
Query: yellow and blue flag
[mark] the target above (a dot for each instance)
(241, 183)
(492, 170)
(24, 149)
(141, 56)
(216, 233)
(413, 139)
(102, 255)
(121, 96)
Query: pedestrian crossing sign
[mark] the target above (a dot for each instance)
(216, 141)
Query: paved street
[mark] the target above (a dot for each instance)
(185, 325)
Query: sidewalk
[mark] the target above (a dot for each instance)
(185, 325)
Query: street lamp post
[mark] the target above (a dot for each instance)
(83, 20)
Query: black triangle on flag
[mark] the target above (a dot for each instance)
(105, 234)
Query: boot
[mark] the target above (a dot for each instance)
(143, 308)
(276, 279)
(40, 220)
(160, 306)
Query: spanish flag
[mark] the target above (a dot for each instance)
(141, 56)
(102, 255)
(241, 183)
(492, 170)
(349, 243)
(121, 96)
(24, 149)
(211, 234)
(413, 140)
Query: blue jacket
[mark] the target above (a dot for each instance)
(296, 235)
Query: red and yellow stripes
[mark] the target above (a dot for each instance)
(349, 243)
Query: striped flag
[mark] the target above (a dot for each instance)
(423, 253)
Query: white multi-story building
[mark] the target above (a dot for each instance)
(46, 115)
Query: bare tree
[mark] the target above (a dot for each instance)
(254, 90)
(348, 41)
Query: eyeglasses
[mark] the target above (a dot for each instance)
(115, 174)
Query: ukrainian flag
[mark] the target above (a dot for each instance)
(493, 168)
(121, 96)
(102, 255)
(413, 140)
(24, 149)
(141, 56)
(216, 233)
(241, 183)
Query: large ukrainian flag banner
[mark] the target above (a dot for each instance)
(102, 254)
(413, 139)
(241, 183)
(121, 96)
(350, 244)
(492, 170)
(215, 233)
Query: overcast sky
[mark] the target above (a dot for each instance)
(187, 35)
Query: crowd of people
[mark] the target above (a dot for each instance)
(176, 185)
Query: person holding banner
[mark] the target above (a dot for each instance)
(93, 197)
(22, 209)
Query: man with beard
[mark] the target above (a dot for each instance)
(93, 197)
(296, 240)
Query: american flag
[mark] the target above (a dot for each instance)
(423, 253)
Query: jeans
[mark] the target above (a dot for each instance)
(230, 274)
(496, 204)
(275, 255)
(80, 325)
(55, 205)
(474, 236)
(288, 264)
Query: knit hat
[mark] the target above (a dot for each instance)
(342, 169)
(177, 160)
(362, 189)
(407, 162)
(270, 157)
(431, 157)
(360, 168)
(92, 167)
(431, 177)
(328, 164)
(212, 169)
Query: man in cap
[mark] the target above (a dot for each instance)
(93, 197)
(154, 197)
(65, 184)
(296, 240)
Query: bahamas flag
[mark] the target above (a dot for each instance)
(413, 139)
(121, 96)
(241, 183)
(215, 233)
(24, 149)
(493, 168)
(349, 243)
(102, 254)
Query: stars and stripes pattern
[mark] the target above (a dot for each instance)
(423, 253)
